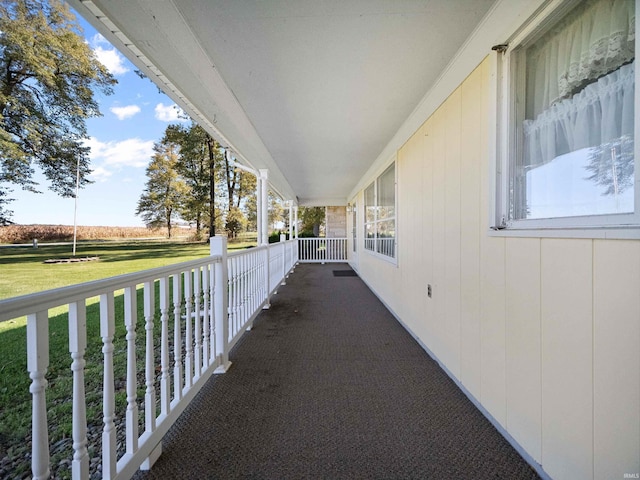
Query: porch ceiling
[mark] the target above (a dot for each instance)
(312, 90)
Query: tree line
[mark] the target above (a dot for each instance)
(192, 178)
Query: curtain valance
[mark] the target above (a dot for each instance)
(593, 40)
(602, 112)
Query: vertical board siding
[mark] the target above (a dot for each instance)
(470, 231)
(492, 327)
(544, 333)
(567, 358)
(438, 238)
(427, 230)
(452, 224)
(524, 401)
(408, 189)
(616, 318)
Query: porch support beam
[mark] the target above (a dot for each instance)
(263, 205)
(290, 219)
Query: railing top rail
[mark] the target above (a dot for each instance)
(40, 301)
(239, 253)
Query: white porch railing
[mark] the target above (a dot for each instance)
(197, 309)
(321, 250)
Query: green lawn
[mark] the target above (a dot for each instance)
(22, 271)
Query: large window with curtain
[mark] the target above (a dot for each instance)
(572, 98)
(380, 214)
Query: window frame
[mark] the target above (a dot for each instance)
(374, 183)
(508, 85)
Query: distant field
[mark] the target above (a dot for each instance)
(64, 233)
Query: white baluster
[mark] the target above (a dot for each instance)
(239, 294)
(283, 239)
(77, 346)
(212, 317)
(197, 318)
(255, 269)
(264, 284)
(252, 280)
(37, 364)
(231, 305)
(188, 340)
(150, 392)
(107, 330)
(177, 338)
(130, 319)
(267, 279)
(242, 291)
(206, 314)
(165, 378)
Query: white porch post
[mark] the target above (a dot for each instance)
(263, 214)
(259, 209)
(218, 248)
(263, 204)
(290, 219)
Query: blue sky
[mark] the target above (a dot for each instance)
(134, 117)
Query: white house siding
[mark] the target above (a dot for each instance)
(544, 333)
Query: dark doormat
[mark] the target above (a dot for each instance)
(344, 273)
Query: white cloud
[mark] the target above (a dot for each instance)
(169, 113)
(125, 112)
(132, 152)
(100, 174)
(108, 55)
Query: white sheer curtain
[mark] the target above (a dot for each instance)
(602, 112)
(580, 81)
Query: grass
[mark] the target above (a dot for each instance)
(15, 399)
(24, 272)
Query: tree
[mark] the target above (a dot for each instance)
(217, 188)
(275, 212)
(312, 218)
(198, 169)
(240, 184)
(236, 222)
(611, 165)
(165, 191)
(5, 215)
(48, 75)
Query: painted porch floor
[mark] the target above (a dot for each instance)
(329, 385)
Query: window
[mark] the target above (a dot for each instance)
(569, 123)
(380, 214)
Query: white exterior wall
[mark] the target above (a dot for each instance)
(543, 332)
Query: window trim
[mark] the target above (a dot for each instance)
(374, 183)
(623, 225)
